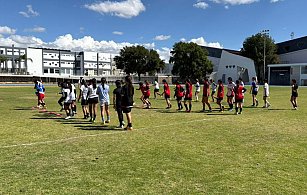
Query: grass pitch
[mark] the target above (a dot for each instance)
(262, 151)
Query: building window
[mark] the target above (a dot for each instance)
(46, 71)
(57, 71)
(304, 70)
(51, 71)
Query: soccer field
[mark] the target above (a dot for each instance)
(262, 151)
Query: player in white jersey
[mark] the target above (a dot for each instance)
(92, 99)
(104, 98)
(67, 100)
(157, 89)
(266, 94)
(197, 90)
(213, 88)
(230, 93)
(83, 96)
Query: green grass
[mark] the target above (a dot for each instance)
(262, 151)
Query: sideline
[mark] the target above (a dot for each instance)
(93, 135)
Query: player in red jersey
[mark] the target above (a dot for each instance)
(147, 94)
(166, 93)
(179, 93)
(220, 95)
(239, 91)
(142, 89)
(188, 95)
(206, 95)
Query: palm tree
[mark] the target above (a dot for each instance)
(2, 60)
(22, 58)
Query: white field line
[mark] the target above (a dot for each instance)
(93, 135)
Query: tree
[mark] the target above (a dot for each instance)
(2, 60)
(190, 61)
(138, 59)
(253, 47)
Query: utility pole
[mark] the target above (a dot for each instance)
(265, 34)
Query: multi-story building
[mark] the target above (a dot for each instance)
(55, 62)
(13, 60)
(293, 63)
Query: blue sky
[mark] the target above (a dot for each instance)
(107, 26)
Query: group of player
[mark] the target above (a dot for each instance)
(91, 94)
(234, 94)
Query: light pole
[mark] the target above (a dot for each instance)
(264, 33)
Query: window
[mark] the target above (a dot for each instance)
(46, 71)
(57, 71)
(51, 71)
(62, 71)
(304, 70)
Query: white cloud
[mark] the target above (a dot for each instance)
(37, 29)
(183, 40)
(118, 33)
(275, 1)
(201, 5)
(123, 9)
(81, 30)
(226, 7)
(164, 54)
(201, 41)
(86, 43)
(235, 2)
(162, 37)
(7, 30)
(29, 13)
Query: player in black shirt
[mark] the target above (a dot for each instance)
(294, 94)
(117, 98)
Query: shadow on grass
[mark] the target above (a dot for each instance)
(23, 108)
(220, 114)
(277, 109)
(43, 118)
(98, 128)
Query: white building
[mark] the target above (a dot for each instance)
(14, 63)
(55, 62)
(293, 58)
(229, 63)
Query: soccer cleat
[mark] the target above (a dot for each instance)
(68, 117)
(128, 128)
(120, 126)
(240, 112)
(236, 113)
(107, 121)
(257, 102)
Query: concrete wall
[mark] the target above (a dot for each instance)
(35, 66)
(228, 66)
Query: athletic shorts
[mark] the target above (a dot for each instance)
(156, 90)
(294, 94)
(146, 97)
(126, 109)
(166, 96)
(179, 98)
(84, 102)
(238, 100)
(41, 96)
(187, 98)
(230, 96)
(67, 104)
(255, 92)
(104, 103)
(219, 98)
(93, 100)
(212, 92)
